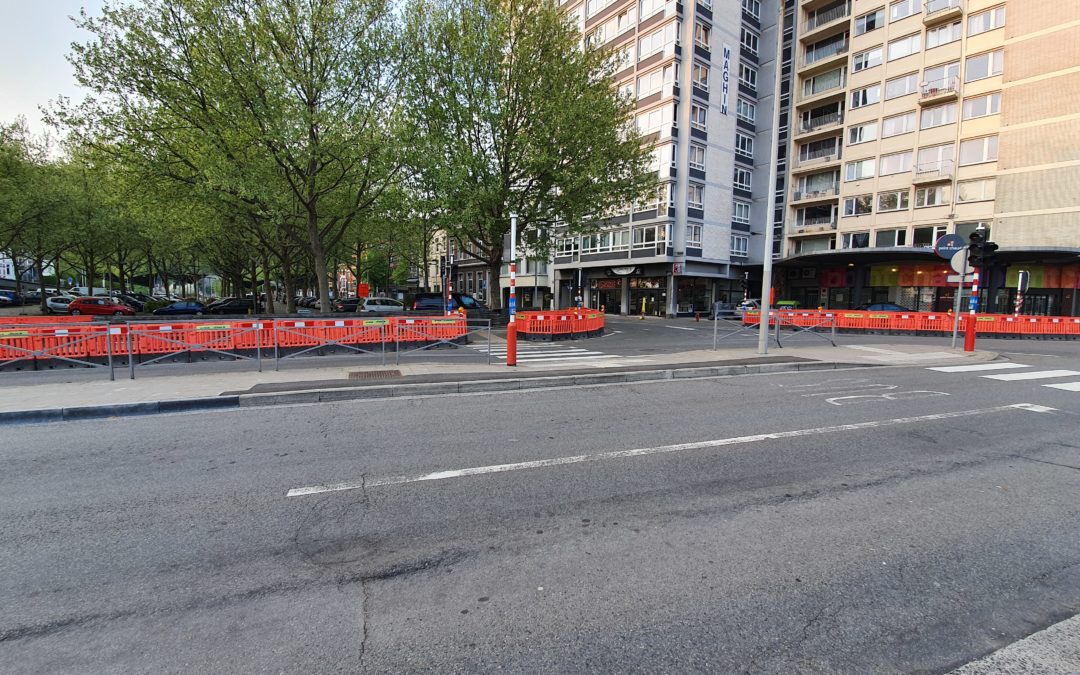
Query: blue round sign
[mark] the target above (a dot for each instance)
(949, 245)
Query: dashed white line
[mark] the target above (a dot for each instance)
(978, 367)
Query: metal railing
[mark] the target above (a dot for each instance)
(820, 221)
(942, 169)
(833, 49)
(945, 85)
(820, 193)
(818, 156)
(814, 123)
(820, 18)
(935, 6)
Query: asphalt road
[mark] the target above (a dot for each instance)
(872, 520)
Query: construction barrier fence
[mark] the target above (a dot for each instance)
(927, 323)
(564, 324)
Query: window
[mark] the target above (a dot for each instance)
(740, 212)
(894, 200)
(622, 57)
(897, 162)
(823, 82)
(752, 7)
(743, 179)
(981, 106)
(978, 150)
(856, 240)
(663, 156)
(983, 65)
(744, 145)
(702, 35)
(980, 190)
(885, 238)
(693, 235)
(898, 124)
(658, 40)
(626, 20)
(903, 9)
(863, 168)
(649, 7)
(697, 156)
(943, 35)
(695, 196)
(905, 46)
(937, 195)
(749, 41)
(699, 73)
(651, 236)
(901, 86)
(925, 237)
(748, 75)
(859, 206)
(865, 96)
(566, 247)
(986, 21)
(862, 133)
(870, 21)
(698, 116)
(826, 148)
(656, 120)
(656, 80)
(745, 110)
(939, 76)
(936, 158)
(594, 6)
(937, 116)
(867, 59)
(740, 246)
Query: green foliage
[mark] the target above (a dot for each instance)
(154, 304)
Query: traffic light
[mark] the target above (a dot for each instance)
(442, 266)
(981, 253)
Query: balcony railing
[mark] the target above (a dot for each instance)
(819, 156)
(828, 16)
(815, 123)
(812, 57)
(946, 86)
(935, 6)
(819, 223)
(934, 171)
(818, 193)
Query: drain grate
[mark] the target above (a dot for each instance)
(373, 374)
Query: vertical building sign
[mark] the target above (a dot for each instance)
(725, 79)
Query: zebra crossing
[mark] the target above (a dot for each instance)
(1018, 373)
(552, 355)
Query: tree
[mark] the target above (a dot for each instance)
(517, 116)
(224, 95)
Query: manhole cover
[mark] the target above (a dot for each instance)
(373, 374)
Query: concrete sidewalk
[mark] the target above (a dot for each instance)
(76, 393)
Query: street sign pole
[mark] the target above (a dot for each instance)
(963, 253)
(511, 328)
(1022, 280)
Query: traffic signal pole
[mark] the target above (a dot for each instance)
(511, 328)
(969, 330)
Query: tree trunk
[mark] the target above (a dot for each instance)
(266, 286)
(39, 267)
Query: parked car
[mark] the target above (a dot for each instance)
(435, 301)
(749, 305)
(98, 306)
(347, 304)
(130, 301)
(883, 307)
(379, 305)
(58, 304)
(182, 307)
(12, 298)
(5, 301)
(230, 306)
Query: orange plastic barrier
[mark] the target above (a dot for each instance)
(59, 318)
(567, 322)
(924, 322)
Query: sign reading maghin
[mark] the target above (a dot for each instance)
(725, 79)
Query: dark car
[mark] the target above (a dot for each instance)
(182, 307)
(883, 307)
(346, 304)
(230, 306)
(436, 301)
(131, 301)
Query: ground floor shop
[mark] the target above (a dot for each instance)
(649, 290)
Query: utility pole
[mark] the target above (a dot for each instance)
(767, 263)
(511, 328)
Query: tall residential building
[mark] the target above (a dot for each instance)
(702, 78)
(915, 119)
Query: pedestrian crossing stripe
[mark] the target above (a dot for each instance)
(1065, 386)
(1033, 375)
(978, 367)
(1021, 376)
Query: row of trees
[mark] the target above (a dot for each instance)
(285, 135)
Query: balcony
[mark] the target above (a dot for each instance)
(822, 93)
(823, 18)
(820, 123)
(945, 89)
(933, 172)
(940, 11)
(811, 225)
(824, 56)
(817, 159)
(820, 194)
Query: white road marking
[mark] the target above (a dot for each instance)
(1033, 375)
(898, 396)
(879, 350)
(680, 327)
(640, 452)
(977, 367)
(1067, 386)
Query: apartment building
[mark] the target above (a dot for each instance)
(917, 118)
(702, 78)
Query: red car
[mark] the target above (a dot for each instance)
(106, 306)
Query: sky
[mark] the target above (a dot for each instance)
(35, 38)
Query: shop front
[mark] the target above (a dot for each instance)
(648, 296)
(606, 294)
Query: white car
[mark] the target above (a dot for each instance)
(750, 305)
(379, 305)
(58, 304)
